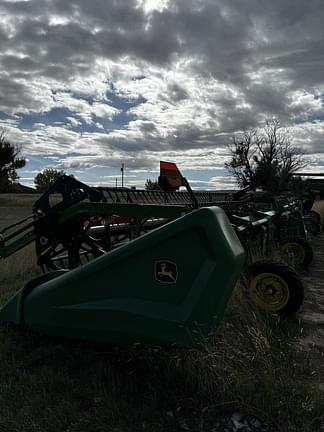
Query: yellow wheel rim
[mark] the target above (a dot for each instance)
(269, 291)
(294, 251)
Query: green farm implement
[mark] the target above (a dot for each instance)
(310, 188)
(126, 266)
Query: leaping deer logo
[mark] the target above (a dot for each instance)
(166, 272)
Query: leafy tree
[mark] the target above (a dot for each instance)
(10, 161)
(264, 158)
(151, 185)
(46, 178)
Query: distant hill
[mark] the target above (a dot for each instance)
(19, 188)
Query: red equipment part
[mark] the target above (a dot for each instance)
(170, 176)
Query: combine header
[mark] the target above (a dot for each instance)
(130, 266)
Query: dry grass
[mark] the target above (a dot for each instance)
(16, 270)
(14, 207)
(253, 363)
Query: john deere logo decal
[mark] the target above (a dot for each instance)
(166, 272)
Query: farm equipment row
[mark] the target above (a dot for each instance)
(127, 266)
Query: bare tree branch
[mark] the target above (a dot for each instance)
(264, 158)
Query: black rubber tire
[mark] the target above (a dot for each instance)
(313, 227)
(306, 247)
(292, 283)
(308, 202)
(314, 215)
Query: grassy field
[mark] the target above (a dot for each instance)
(253, 365)
(19, 268)
(14, 207)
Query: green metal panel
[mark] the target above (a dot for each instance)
(9, 247)
(170, 286)
(12, 311)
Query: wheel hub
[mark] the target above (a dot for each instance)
(294, 251)
(269, 291)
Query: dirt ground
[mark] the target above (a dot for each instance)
(312, 313)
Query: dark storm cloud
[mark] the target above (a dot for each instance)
(93, 29)
(304, 65)
(120, 28)
(185, 137)
(147, 127)
(293, 39)
(214, 34)
(219, 35)
(16, 96)
(269, 98)
(135, 161)
(175, 93)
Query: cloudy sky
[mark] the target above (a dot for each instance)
(88, 85)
